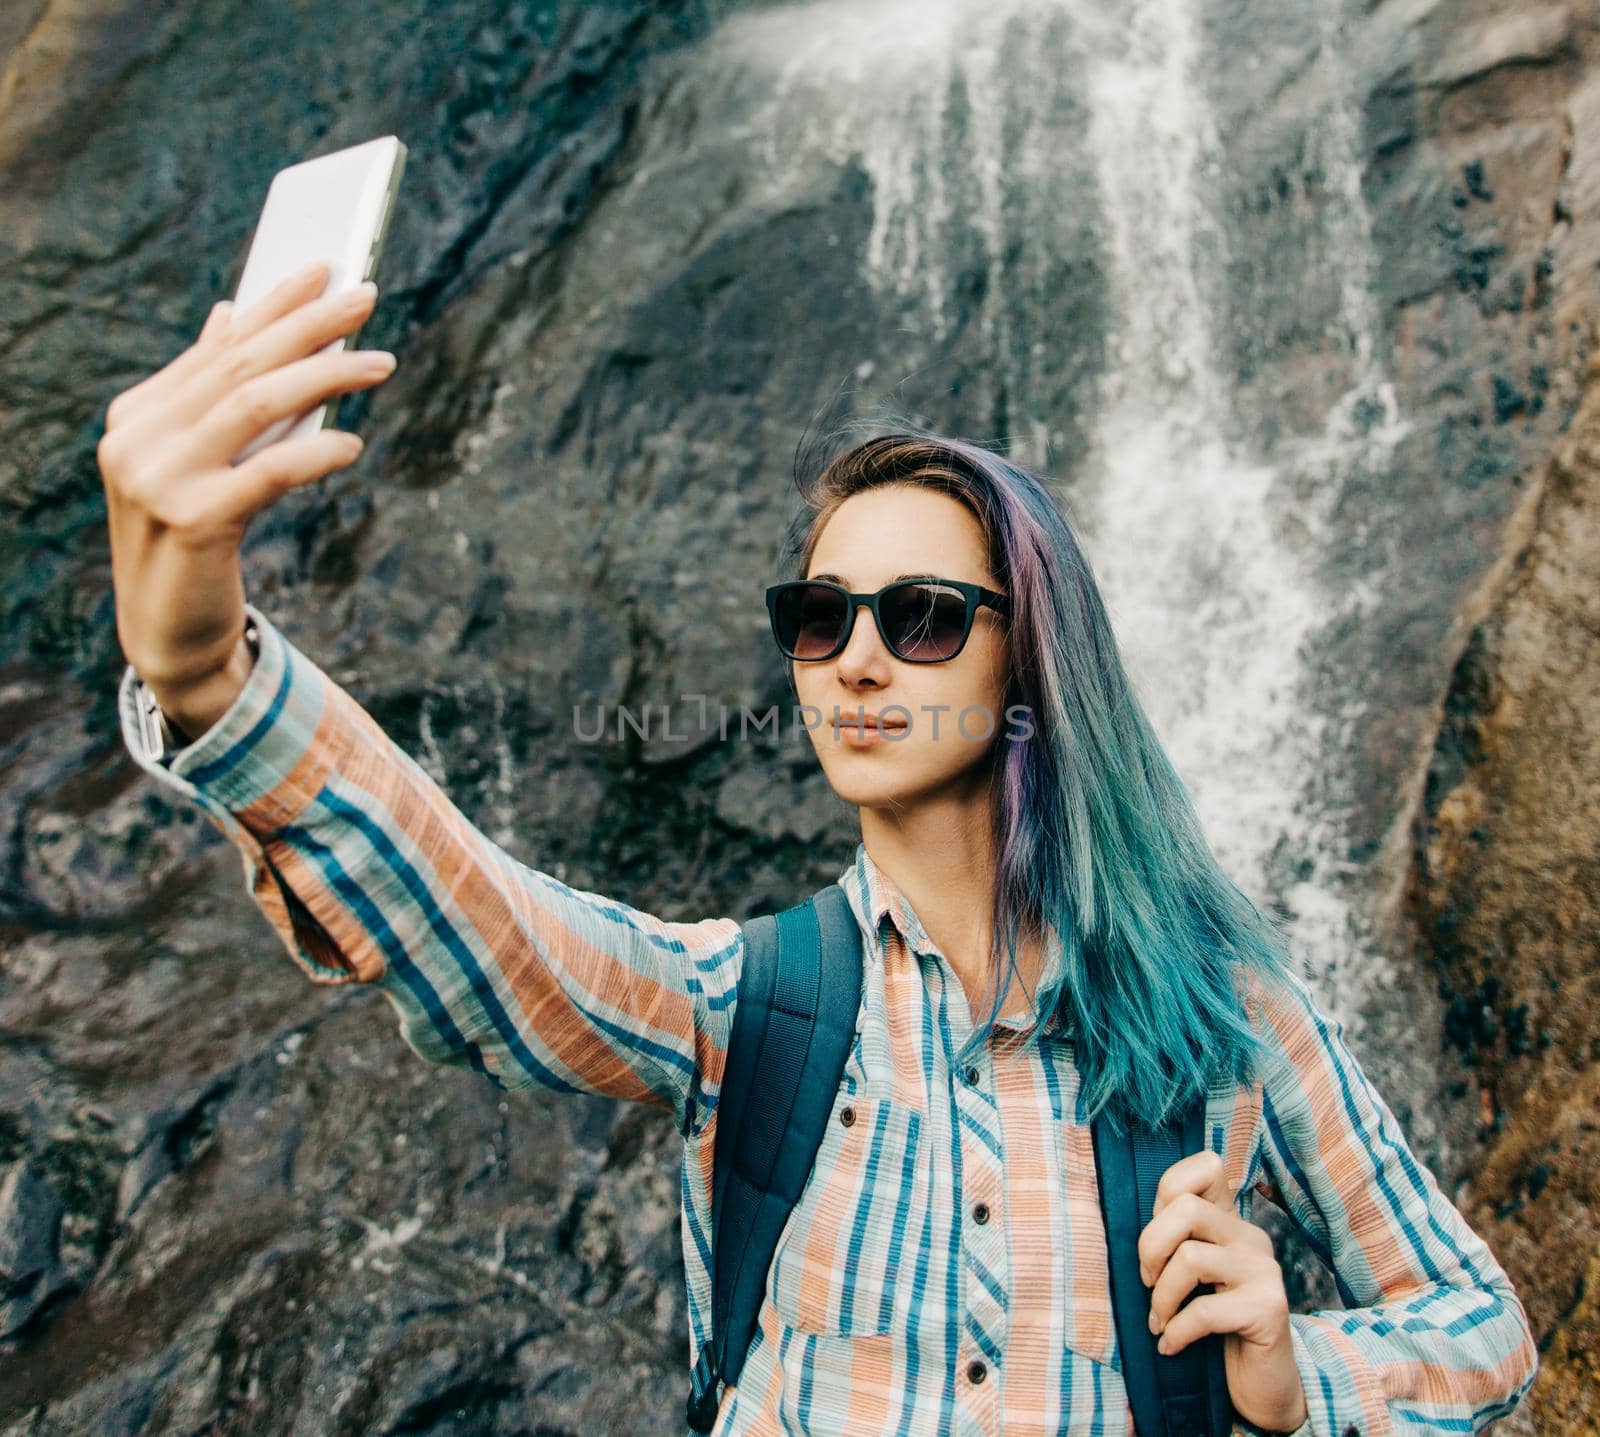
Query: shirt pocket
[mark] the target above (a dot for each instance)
(853, 1236)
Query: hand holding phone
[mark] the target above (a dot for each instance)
(185, 469)
(334, 209)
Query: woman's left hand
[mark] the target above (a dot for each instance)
(1196, 1235)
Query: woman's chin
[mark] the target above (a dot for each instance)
(852, 780)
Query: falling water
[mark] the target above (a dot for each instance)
(1205, 556)
(1358, 439)
(958, 112)
(1212, 605)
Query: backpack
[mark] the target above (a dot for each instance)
(793, 1027)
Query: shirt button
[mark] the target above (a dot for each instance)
(847, 1116)
(971, 1075)
(976, 1372)
(980, 1214)
(1352, 1431)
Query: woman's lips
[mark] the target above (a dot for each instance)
(866, 732)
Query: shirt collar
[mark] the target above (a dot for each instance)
(875, 898)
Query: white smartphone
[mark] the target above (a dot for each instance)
(334, 208)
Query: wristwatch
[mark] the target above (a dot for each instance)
(161, 735)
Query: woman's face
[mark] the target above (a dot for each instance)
(870, 540)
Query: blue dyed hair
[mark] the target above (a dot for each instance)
(1095, 833)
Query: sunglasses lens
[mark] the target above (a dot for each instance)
(924, 622)
(810, 620)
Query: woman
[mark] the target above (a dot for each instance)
(1046, 932)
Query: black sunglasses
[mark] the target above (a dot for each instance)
(922, 621)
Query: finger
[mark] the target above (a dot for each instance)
(291, 464)
(1229, 1311)
(313, 320)
(304, 284)
(1203, 1172)
(155, 398)
(255, 406)
(1192, 1263)
(311, 327)
(1188, 1216)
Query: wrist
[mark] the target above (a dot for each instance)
(1290, 1413)
(1273, 1402)
(194, 708)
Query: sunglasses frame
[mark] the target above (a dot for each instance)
(975, 594)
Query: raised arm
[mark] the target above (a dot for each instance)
(1433, 1338)
(369, 873)
(364, 867)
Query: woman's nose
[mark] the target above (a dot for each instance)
(864, 650)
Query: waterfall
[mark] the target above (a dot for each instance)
(1211, 606)
(959, 113)
(1204, 554)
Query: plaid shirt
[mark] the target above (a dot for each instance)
(945, 1270)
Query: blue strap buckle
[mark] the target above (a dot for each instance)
(703, 1396)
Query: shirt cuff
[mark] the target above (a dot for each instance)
(1343, 1397)
(1250, 1429)
(266, 758)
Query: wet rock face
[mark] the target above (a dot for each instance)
(284, 1217)
(1506, 890)
(30, 1272)
(1293, 301)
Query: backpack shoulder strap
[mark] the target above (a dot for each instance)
(793, 1025)
(1187, 1393)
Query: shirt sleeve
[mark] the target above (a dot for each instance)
(1433, 1338)
(370, 874)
